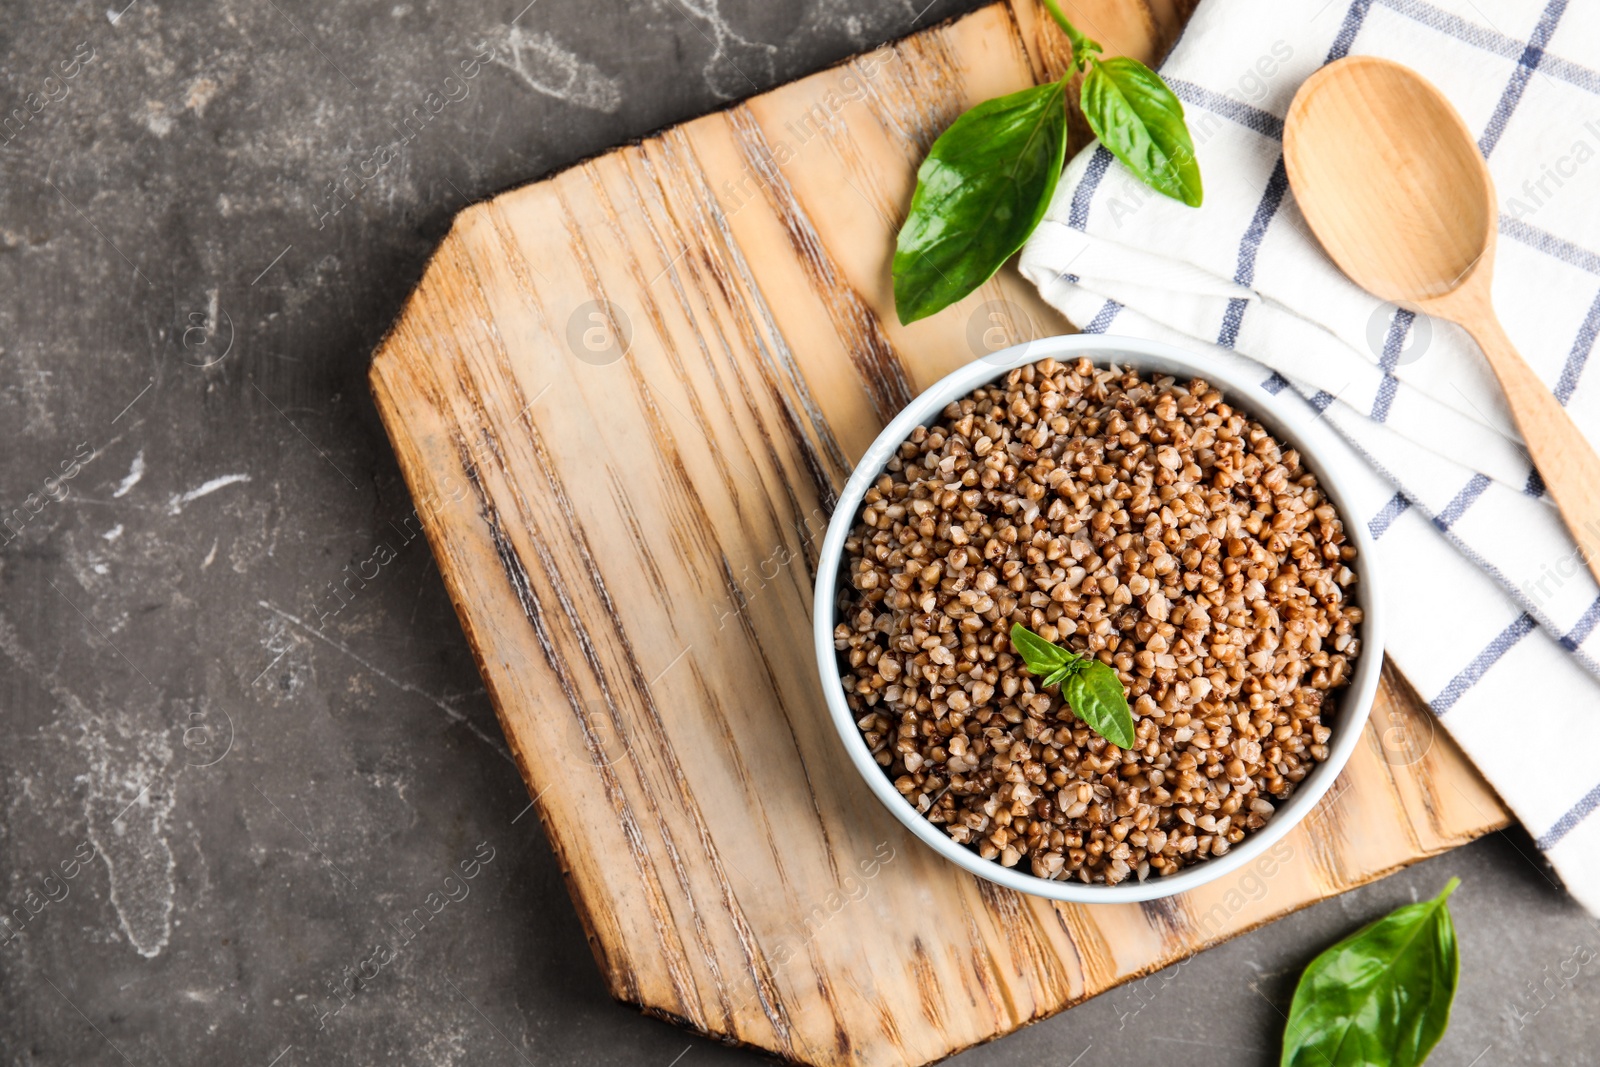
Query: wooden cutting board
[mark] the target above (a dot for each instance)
(623, 399)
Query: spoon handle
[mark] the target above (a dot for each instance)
(1565, 459)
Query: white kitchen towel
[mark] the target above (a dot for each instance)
(1493, 614)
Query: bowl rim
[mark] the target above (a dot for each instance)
(1322, 453)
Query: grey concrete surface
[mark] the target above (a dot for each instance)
(184, 329)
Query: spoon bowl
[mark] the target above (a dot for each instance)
(1393, 185)
(1435, 220)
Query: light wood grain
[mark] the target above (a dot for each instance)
(630, 547)
(1393, 185)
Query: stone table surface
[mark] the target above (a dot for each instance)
(250, 780)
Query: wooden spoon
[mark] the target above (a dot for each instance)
(1393, 185)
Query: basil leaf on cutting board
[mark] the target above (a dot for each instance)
(1140, 121)
(989, 178)
(1380, 996)
(980, 193)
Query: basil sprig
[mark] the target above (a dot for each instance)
(1381, 995)
(1091, 688)
(989, 178)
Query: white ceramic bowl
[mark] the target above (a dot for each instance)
(1291, 423)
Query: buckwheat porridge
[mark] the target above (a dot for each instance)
(1140, 521)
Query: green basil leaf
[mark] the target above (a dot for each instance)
(1057, 676)
(980, 193)
(1140, 122)
(1039, 655)
(1096, 696)
(1381, 995)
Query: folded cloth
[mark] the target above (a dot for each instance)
(1493, 613)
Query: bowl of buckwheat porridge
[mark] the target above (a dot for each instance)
(1089, 630)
